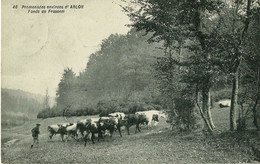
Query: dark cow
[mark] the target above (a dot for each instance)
(108, 123)
(92, 127)
(58, 129)
(81, 127)
(118, 117)
(96, 126)
(134, 119)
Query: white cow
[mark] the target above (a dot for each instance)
(224, 103)
(119, 115)
(72, 130)
(152, 116)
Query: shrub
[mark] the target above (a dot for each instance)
(187, 117)
(221, 94)
(157, 107)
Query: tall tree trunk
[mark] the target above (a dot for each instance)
(197, 22)
(206, 105)
(234, 97)
(255, 115)
(206, 121)
(256, 101)
(209, 111)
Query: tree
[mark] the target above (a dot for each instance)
(65, 92)
(250, 72)
(234, 20)
(182, 24)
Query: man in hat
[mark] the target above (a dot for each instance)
(35, 132)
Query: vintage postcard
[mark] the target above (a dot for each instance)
(130, 81)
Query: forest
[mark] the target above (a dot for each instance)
(179, 56)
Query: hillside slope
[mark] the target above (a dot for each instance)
(18, 106)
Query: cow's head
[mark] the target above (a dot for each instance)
(163, 114)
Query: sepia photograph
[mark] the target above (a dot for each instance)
(130, 81)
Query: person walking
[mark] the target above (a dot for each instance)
(35, 133)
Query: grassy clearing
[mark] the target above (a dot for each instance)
(158, 144)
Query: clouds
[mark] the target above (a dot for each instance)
(37, 47)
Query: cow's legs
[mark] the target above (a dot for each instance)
(93, 137)
(119, 130)
(51, 135)
(76, 136)
(85, 137)
(67, 137)
(127, 128)
(137, 128)
(62, 137)
(111, 132)
(100, 134)
(156, 123)
(149, 124)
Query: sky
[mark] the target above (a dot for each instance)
(36, 48)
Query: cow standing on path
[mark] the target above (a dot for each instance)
(93, 126)
(98, 126)
(134, 119)
(152, 116)
(71, 131)
(58, 129)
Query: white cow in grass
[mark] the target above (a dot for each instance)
(224, 103)
(119, 115)
(72, 131)
(153, 116)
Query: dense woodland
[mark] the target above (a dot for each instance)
(179, 56)
(119, 76)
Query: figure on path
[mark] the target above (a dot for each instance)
(35, 133)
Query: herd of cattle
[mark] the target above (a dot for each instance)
(87, 128)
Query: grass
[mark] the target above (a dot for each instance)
(156, 145)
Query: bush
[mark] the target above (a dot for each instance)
(187, 117)
(13, 119)
(103, 108)
(157, 107)
(135, 107)
(221, 94)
